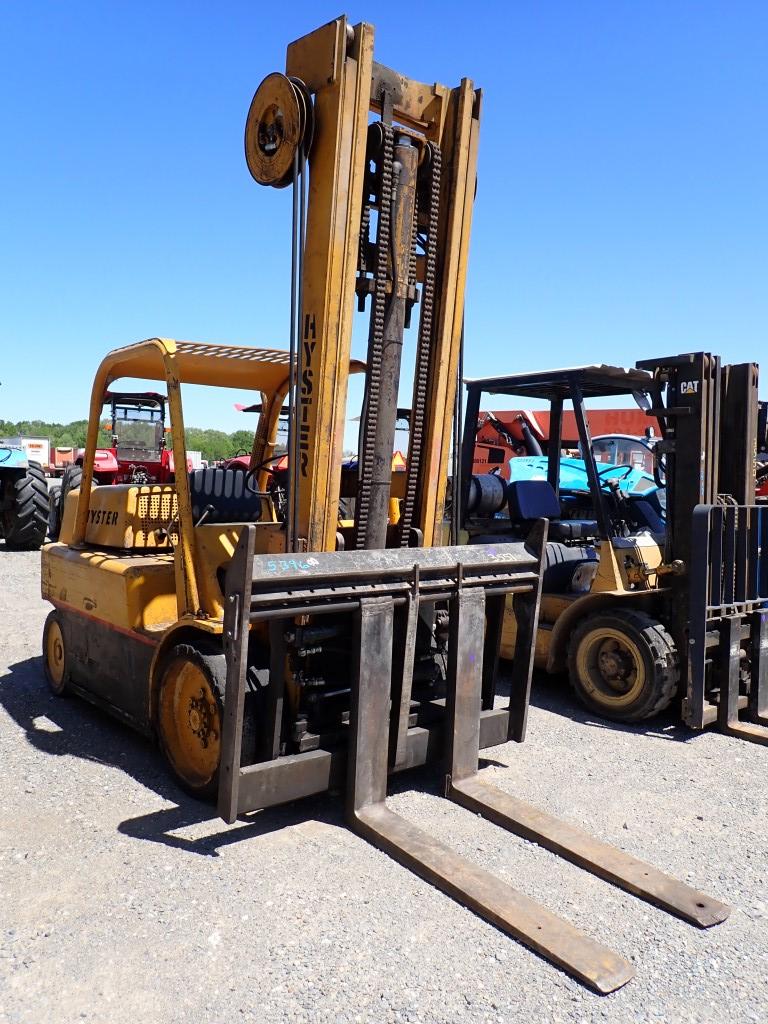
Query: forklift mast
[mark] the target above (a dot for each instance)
(709, 429)
(388, 219)
(718, 609)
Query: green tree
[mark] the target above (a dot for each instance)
(214, 444)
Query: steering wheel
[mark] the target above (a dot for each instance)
(605, 484)
(262, 465)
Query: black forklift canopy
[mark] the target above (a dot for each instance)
(594, 381)
(574, 384)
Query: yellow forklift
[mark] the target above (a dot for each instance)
(275, 647)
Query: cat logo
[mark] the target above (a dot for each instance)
(689, 387)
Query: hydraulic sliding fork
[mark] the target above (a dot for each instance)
(382, 647)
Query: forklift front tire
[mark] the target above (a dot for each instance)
(623, 665)
(190, 713)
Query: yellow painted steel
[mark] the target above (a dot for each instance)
(187, 589)
(265, 436)
(131, 592)
(336, 63)
(126, 516)
(339, 73)
(176, 363)
(560, 613)
(459, 142)
(215, 545)
(608, 577)
(220, 366)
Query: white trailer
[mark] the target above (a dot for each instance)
(37, 449)
(195, 459)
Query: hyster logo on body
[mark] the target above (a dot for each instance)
(102, 517)
(689, 387)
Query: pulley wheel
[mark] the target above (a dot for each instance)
(274, 130)
(308, 114)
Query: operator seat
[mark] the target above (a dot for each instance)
(536, 499)
(227, 494)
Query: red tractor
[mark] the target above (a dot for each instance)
(138, 453)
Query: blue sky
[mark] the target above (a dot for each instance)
(622, 208)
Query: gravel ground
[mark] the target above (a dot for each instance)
(122, 900)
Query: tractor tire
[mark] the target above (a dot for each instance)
(190, 715)
(70, 481)
(25, 523)
(55, 658)
(73, 476)
(623, 665)
(55, 512)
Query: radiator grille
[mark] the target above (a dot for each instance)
(156, 512)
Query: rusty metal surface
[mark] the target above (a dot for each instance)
(526, 609)
(522, 918)
(464, 786)
(402, 677)
(345, 580)
(751, 731)
(465, 659)
(368, 814)
(728, 611)
(595, 856)
(236, 627)
(294, 776)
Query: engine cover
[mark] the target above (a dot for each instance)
(130, 517)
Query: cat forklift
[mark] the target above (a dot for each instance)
(653, 591)
(278, 653)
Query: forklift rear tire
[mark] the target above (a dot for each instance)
(623, 665)
(190, 714)
(55, 660)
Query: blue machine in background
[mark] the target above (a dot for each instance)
(23, 500)
(573, 475)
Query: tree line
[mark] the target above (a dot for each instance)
(213, 444)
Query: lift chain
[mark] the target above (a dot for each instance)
(376, 336)
(362, 256)
(423, 350)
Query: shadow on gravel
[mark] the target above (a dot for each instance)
(325, 808)
(63, 726)
(72, 727)
(554, 693)
(160, 826)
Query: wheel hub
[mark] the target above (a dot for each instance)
(54, 655)
(58, 651)
(201, 718)
(615, 664)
